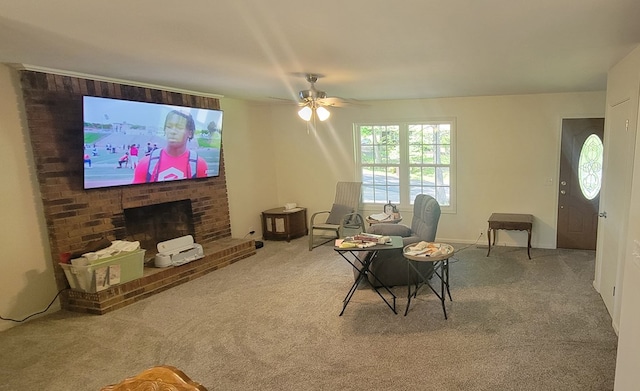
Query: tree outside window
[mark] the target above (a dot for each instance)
(398, 161)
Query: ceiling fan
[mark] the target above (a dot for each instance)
(315, 102)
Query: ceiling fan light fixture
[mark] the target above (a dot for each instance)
(312, 102)
(305, 113)
(323, 113)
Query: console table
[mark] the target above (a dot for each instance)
(510, 221)
(284, 224)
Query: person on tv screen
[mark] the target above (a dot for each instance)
(124, 159)
(175, 160)
(133, 153)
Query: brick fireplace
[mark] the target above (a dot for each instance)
(75, 217)
(156, 223)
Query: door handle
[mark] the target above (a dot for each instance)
(602, 214)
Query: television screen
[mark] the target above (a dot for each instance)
(127, 142)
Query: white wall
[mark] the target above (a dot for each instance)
(248, 158)
(508, 156)
(27, 284)
(508, 148)
(628, 364)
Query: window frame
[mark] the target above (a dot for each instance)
(406, 203)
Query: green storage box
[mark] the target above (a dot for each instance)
(105, 272)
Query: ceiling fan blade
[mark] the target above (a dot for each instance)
(334, 101)
(313, 97)
(286, 101)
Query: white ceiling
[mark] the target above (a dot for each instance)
(366, 49)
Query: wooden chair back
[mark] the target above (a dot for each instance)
(163, 377)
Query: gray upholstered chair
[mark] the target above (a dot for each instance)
(390, 266)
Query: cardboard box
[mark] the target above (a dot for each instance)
(105, 272)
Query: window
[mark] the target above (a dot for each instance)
(590, 167)
(398, 161)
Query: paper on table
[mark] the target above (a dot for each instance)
(429, 249)
(380, 216)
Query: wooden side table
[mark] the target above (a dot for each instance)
(283, 224)
(510, 221)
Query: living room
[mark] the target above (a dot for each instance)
(508, 149)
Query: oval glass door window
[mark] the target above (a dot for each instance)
(590, 167)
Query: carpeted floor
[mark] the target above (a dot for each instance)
(270, 322)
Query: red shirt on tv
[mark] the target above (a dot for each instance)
(169, 168)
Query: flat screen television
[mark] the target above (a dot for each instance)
(128, 142)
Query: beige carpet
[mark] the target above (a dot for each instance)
(270, 322)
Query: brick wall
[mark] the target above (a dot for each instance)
(74, 216)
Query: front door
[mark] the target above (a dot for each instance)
(579, 183)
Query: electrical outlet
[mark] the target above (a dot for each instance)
(251, 231)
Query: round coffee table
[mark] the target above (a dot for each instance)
(440, 261)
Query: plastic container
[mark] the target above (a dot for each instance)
(106, 272)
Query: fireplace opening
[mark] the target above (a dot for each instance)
(156, 223)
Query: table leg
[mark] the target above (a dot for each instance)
(446, 266)
(393, 308)
(409, 289)
(442, 298)
(409, 285)
(352, 290)
(444, 281)
(362, 272)
(529, 243)
(489, 239)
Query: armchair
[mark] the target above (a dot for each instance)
(328, 225)
(391, 266)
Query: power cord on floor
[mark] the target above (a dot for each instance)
(37, 313)
(454, 259)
